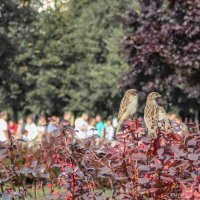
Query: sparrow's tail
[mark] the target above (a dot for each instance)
(152, 134)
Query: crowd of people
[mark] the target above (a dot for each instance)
(41, 129)
(29, 129)
(86, 126)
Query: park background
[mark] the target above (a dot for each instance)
(82, 55)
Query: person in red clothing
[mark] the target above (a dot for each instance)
(12, 127)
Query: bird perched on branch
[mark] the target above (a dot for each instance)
(155, 116)
(128, 106)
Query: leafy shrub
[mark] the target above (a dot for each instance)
(164, 168)
(136, 166)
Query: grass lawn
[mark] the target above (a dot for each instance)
(108, 193)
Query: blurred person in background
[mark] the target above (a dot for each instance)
(115, 122)
(100, 126)
(110, 131)
(41, 127)
(31, 128)
(3, 127)
(91, 127)
(67, 116)
(20, 128)
(24, 136)
(12, 127)
(53, 127)
(173, 117)
(178, 125)
(81, 126)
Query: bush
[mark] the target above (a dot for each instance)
(136, 167)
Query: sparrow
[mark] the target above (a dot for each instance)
(128, 106)
(155, 116)
(164, 122)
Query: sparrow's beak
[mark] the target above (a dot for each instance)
(159, 96)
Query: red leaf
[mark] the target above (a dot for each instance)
(143, 180)
(193, 156)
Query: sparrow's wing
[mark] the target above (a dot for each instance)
(124, 105)
(162, 113)
(151, 116)
(163, 118)
(151, 119)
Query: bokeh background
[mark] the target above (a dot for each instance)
(82, 55)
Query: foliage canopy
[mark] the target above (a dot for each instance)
(163, 51)
(63, 57)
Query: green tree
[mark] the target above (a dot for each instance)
(59, 58)
(16, 17)
(77, 59)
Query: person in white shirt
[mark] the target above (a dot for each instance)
(41, 125)
(110, 131)
(31, 128)
(91, 130)
(3, 127)
(115, 122)
(81, 126)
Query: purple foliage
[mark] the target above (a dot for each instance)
(163, 50)
(136, 166)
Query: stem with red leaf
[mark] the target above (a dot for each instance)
(42, 188)
(35, 189)
(136, 129)
(2, 190)
(73, 186)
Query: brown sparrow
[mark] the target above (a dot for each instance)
(128, 106)
(154, 115)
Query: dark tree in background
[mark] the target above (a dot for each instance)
(15, 21)
(163, 51)
(64, 57)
